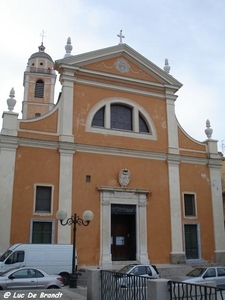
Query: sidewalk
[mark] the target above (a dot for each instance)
(80, 293)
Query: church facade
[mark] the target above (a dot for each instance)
(111, 144)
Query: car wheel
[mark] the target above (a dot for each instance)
(53, 287)
(66, 278)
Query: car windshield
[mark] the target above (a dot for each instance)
(196, 272)
(125, 269)
(5, 255)
(6, 272)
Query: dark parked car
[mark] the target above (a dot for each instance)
(29, 278)
(202, 274)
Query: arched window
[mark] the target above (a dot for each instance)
(121, 117)
(39, 89)
(143, 127)
(98, 119)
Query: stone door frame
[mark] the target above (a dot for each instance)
(115, 195)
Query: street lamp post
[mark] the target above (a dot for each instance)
(75, 220)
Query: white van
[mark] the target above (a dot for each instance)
(51, 258)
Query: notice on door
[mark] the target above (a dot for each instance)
(120, 240)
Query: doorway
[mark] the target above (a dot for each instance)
(123, 232)
(191, 241)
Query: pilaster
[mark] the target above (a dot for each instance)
(105, 237)
(66, 108)
(142, 252)
(177, 252)
(7, 166)
(215, 163)
(171, 123)
(217, 211)
(65, 192)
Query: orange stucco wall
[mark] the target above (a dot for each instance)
(48, 125)
(195, 179)
(150, 175)
(33, 165)
(85, 98)
(103, 169)
(186, 143)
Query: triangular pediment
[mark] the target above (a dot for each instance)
(120, 61)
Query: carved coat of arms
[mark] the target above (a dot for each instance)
(124, 177)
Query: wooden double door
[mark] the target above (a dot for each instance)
(123, 232)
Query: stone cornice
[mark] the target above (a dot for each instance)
(14, 142)
(121, 152)
(215, 163)
(123, 190)
(173, 159)
(8, 142)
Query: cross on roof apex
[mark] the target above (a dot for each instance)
(121, 36)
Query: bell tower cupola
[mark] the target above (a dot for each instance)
(39, 85)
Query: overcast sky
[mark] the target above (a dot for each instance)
(190, 33)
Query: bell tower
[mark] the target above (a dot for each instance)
(39, 85)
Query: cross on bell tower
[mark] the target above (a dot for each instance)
(42, 34)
